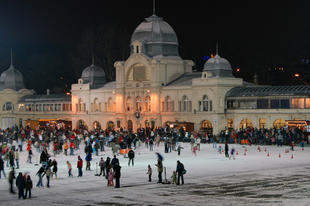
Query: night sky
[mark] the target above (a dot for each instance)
(254, 36)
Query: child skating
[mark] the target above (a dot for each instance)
(149, 172)
(174, 178)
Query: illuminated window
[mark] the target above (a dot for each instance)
(185, 103)
(262, 123)
(96, 105)
(81, 106)
(138, 104)
(148, 103)
(279, 123)
(129, 104)
(307, 102)
(298, 103)
(245, 123)
(168, 103)
(110, 105)
(230, 123)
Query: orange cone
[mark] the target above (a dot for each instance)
(279, 155)
(303, 149)
(244, 153)
(265, 149)
(237, 153)
(245, 149)
(268, 154)
(258, 148)
(292, 156)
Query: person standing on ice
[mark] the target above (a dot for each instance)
(226, 150)
(117, 175)
(80, 166)
(149, 172)
(232, 153)
(179, 170)
(160, 167)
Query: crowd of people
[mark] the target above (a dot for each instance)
(60, 140)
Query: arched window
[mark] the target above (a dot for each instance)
(8, 106)
(205, 102)
(279, 123)
(81, 106)
(110, 105)
(129, 104)
(168, 103)
(148, 103)
(137, 49)
(138, 104)
(245, 123)
(185, 103)
(96, 105)
(206, 126)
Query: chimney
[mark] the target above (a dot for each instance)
(47, 92)
(255, 79)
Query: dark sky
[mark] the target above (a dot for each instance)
(261, 33)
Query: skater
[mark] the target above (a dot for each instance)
(48, 174)
(11, 178)
(179, 170)
(149, 172)
(226, 150)
(117, 175)
(69, 169)
(40, 172)
(2, 167)
(179, 149)
(66, 148)
(220, 149)
(111, 177)
(107, 166)
(21, 185)
(80, 166)
(55, 169)
(151, 143)
(232, 153)
(160, 167)
(114, 161)
(174, 178)
(102, 165)
(28, 186)
(292, 145)
(88, 159)
(29, 156)
(17, 158)
(131, 155)
(195, 150)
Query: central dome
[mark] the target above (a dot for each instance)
(158, 38)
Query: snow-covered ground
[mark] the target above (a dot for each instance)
(211, 179)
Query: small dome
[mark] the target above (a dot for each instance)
(94, 75)
(218, 66)
(11, 79)
(158, 37)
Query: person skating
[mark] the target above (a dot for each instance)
(174, 178)
(131, 156)
(80, 166)
(11, 178)
(102, 165)
(69, 169)
(117, 174)
(29, 186)
(179, 170)
(2, 167)
(160, 168)
(21, 185)
(40, 172)
(149, 172)
(226, 150)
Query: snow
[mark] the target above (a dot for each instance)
(211, 179)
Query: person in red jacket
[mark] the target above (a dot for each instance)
(72, 147)
(80, 166)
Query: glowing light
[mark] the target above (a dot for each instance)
(238, 70)
(113, 92)
(296, 75)
(148, 91)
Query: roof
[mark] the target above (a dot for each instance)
(265, 91)
(45, 98)
(185, 79)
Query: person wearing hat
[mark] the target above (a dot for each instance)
(21, 185)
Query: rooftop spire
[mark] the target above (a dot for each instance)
(217, 48)
(92, 61)
(153, 6)
(11, 67)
